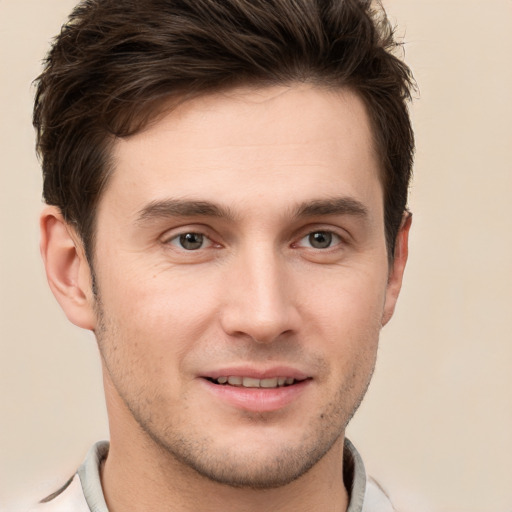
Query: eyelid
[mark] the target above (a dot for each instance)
(334, 244)
(174, 233)
(343, 236)
(207, 242)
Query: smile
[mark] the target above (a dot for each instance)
(250, 382)
(257, 393)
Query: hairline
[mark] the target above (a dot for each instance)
(160, 107)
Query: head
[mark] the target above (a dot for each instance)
(233, 177)
(116, 66)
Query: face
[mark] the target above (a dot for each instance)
(243, 280)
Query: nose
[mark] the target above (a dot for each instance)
(259, 302)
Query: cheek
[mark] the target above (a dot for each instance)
(157, 312)
(345, 316)
(349, 299)
(158, 291)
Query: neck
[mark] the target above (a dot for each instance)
(152, 480)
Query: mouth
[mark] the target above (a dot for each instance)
(257, 391)
(251, 382)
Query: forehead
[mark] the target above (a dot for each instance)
(275, 143)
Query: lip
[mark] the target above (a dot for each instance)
(255, 373)
(257, 399)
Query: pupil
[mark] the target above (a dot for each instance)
(320, 239)
(191, 241)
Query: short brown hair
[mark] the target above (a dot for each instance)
(115, 61)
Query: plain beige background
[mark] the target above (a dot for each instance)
(436, 426)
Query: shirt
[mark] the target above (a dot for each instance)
(83, 492)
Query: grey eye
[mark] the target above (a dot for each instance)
(320, 239)
(191, 241)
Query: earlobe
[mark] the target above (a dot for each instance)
(397, 267)
(67, 269)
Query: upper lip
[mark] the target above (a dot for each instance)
(257, 373)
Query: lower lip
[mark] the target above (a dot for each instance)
(257, 399)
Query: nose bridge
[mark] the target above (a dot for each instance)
(260, 305)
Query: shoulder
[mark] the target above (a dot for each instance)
(69, 498)
(82, 492)
(375, 498)
(366, 495)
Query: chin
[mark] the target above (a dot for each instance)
(267, 460)
(254, 472)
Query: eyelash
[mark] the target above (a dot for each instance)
(325, 234)
(322, 236)
(179, 239)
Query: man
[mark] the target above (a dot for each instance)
(226, 184)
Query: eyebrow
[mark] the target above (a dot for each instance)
(182, 208)
(334, 206)
(166, 208)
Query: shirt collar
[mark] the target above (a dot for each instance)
(354, 476)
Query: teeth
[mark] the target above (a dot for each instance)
(249, 382)
(268, 383)
(235, 381)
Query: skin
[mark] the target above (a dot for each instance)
(261, 175)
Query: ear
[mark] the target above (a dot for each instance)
(397, 268)
(67, 269)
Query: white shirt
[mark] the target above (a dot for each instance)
(83, 493)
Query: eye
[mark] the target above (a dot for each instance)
(320, 240)
(191, 241)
